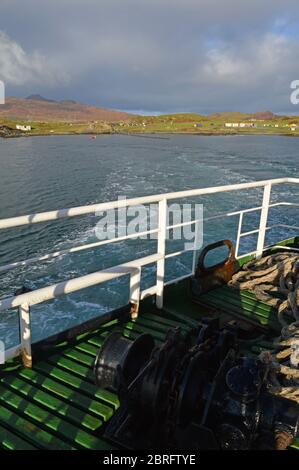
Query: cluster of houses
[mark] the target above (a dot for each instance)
(239, 124)
(131, 124)
(293, 126)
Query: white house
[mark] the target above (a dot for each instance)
(231, 124)
(247, 124)
(20, 127)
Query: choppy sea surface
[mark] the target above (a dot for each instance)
(46, 173)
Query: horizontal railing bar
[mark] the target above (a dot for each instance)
(288, 204)
(293, 180)
(182, 224)
(149, 291)
(251, 232)
(176, 253)
(244, 211)
(231, 214)
(73, 285)
(293, 227)
(253, 209)
(56, 254)
(17, 264)
(265, 247)
(289, 248)
(99, 207)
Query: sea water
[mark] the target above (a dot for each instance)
(47, 173)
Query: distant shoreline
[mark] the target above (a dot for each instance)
(39, 116)
(161, 134)
(222, 124)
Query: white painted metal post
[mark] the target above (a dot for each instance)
(25, 334)
(161, 251)
(239, 233)
(263, 221)
(135, 279)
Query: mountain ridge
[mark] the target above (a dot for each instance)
(37, 108)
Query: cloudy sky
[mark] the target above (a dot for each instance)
(153, 55)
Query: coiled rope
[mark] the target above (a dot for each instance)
(275, 280)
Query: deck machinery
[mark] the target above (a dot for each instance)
(195, 391)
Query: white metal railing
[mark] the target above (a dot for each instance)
(133, 268)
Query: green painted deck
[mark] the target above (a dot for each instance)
(56, 404)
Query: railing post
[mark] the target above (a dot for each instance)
(239, 233)
(25, 334)
(135, 279)
(162, 221)
(263, 221)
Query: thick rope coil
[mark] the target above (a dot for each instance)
(275, 280)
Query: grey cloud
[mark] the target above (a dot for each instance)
(168, 55)
(19, 68)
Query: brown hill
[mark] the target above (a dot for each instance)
(233, 116)
(264, 115)
(37, 108)
(237, 116)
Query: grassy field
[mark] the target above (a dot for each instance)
(172, 123)
(197, 124)
(56, 127)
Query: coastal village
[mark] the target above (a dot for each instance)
(251, 124)
(36, 115)
(213, 124)
(254, 123)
